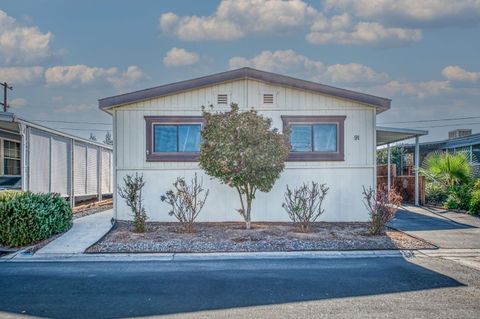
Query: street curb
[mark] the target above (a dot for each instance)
(171, 257)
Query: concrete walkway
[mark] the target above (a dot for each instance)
(449, 230)
(457, 235)
(84, 233)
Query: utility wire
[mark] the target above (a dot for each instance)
(434, 120)
(73, 122)
(432, 126)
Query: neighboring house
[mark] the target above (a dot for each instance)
(459, 141)
(42, 160)
(157, 133)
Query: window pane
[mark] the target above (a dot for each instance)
(189, 138)
(11, 167)
(301, 138)
(11, 149)
(325, 137)
(165, 138)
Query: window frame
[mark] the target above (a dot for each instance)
(2, 141)
(151, 121)
(338, 120)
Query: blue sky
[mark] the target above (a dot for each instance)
(61, 56)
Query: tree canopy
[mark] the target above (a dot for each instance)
(242, 150)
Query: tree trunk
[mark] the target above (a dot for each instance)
(247, 214)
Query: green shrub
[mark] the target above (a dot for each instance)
(7, 195)
(474, 207)
(435, 193)
(459, 197)
(28, 218)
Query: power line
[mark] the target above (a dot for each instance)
(82, 129)
(434, 120)
(73, 122)
(457, 124)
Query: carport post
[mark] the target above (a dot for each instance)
(388, 168)
(417, 161)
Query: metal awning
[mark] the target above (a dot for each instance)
(389, 135)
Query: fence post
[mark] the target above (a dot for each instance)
(99, 173)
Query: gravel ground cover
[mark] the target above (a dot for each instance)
(233, 237)
(92, 208)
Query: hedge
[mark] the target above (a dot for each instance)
(26, 218)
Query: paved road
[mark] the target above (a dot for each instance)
(299, 288)
(438, 230)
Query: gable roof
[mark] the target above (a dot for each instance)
(382, 104)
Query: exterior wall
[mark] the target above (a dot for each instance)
(345, 178)
(63, 165)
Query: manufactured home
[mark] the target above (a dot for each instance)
(43, 160)
(333, 139)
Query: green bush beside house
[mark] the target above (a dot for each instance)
(450, 182)
(26, 218)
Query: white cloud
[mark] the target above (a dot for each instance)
(76, 108)
(292, 63)
(456, 73)
(354, 73)
(21, 75)
(75, 75)
(234, 19)
(412, 12)
(21, 44)
(420, 89)
(361, 33)
(180, 57)
(128, 78)
(18, 103)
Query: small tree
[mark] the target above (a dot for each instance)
(304, 204)
(382, 206)
(108, 139)
(132, 193)
(92, 137)
(241, 150)
(186, 200)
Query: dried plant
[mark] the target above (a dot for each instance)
(382, 206)
(304, 204)
(132, 193)
(186, 200)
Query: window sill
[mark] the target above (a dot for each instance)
(314, 156)
(173, 157)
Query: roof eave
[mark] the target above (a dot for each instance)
(381, 104)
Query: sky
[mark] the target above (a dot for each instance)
(62, 56)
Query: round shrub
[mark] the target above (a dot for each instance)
(28, 218)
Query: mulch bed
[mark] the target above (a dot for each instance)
(263, 237)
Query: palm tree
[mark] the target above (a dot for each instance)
(446, 168)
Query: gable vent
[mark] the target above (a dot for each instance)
(222, 99)
(267, 98)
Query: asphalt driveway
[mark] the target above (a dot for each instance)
(439, 230)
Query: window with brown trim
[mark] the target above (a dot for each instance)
(315, 138)
(173, 138)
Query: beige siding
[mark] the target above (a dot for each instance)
(345, 178)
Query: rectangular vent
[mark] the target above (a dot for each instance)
(268, 98)
(222, 99)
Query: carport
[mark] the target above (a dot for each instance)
(389, 135)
